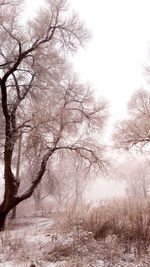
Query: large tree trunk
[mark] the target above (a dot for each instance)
(11, 199)
(5, 207)
(2, 220)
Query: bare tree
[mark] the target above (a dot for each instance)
(135, 131)
(69, 181)
(135, 172)
(39, 97)
(64, 181)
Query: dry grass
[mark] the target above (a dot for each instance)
(112, 231)
(128, 220)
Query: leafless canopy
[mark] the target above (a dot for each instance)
(40, 98)
(135, 131)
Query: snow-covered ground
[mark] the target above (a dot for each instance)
(42, 242)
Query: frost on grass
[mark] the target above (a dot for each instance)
(41, 242)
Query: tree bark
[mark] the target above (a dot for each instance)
(13, 214)
(5, 207)
(11, 199)
(2, 221)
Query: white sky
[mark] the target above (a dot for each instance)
(102, 188)
(115, 57)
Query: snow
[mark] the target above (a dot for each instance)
(41, 242)
(100, 263)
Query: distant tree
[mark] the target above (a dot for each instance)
(40, 99)
(69, 181)
(135, 131)
(64, 181)
(135, 171)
